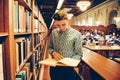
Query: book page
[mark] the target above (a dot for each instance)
(49, 61)
(63, 62)
(70, 61)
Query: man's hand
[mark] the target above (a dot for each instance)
(57, 56)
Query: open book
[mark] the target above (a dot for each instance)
(63, 62)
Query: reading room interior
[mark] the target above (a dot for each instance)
(38, 42)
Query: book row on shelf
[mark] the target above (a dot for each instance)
(22, 19)
(25, 72)
(22, 40)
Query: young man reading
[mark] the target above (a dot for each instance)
(64, 42)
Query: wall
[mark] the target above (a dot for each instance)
(98, 13)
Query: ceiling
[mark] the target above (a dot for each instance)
(48, 7)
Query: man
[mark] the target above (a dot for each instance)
(64, 42)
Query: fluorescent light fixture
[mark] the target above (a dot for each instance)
(58, 7)
(60, 4)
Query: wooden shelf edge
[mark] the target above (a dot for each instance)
(23, 33)
(31, 74)
(37, 46)
(24, 62)
(35, 16)
(41, 72)
(22, 2)
(3, 34)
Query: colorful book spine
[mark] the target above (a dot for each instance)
(21, 75)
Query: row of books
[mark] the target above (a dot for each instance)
(36, 25)
(38, 13)
(37, 56)
(36, 60)
(23, 49)
(24, 74)
(36, 9)
(37, 39)
(28, 2)
(22, 18)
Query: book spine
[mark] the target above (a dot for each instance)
(16, 16)
(1, 64)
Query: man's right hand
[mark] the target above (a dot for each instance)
(57, 56)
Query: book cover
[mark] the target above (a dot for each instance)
(27, 72)
(19, 52)
(27, 66)
(21, 75)
(21, 20)
(63, 62)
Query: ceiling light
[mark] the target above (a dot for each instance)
(83, 4)
(60, 4)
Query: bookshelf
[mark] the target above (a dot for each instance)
(22, 39)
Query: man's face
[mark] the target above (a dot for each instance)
(62, 24)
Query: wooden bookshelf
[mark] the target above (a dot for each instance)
(20, 38)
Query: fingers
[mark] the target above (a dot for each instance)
(57, 56)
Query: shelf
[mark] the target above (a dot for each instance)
(17, 37)
(24, 63)
(35, 16)
(31, 74)
(2, 34)
(35, 32)
(28, 33)
(42, 32)
(37, 46)
(41, 72)
(22, 2)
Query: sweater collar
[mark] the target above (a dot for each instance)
(64, 31)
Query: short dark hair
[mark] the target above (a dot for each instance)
(60, 15)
